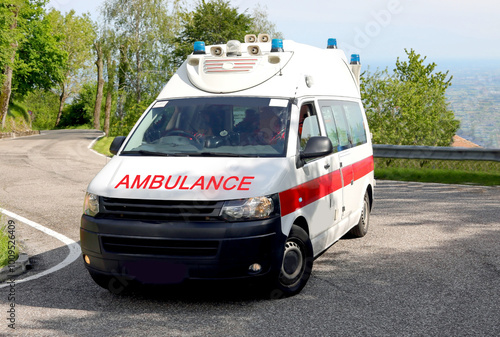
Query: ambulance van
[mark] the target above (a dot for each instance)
(254, 159)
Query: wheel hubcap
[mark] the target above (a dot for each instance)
(293, 262)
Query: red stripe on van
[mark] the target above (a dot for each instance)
(311, 191)
(363, 167)
(347, 174)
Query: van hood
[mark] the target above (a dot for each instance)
(189, 178)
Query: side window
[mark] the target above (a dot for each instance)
(344, 123)
(342, 127)
(308, 124)
(331, 128)
(355, 118)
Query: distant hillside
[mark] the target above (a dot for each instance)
(475, 99)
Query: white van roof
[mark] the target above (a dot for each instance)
(298, 70)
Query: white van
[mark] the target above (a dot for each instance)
(254, 159)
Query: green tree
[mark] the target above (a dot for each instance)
(98, 49)
(10, 36)
(78, 37)
(30, 53)
(42, 103)
(40, 58)
(105, 49)
(212, 22)
(81, 109)
(143, 29)
(408, 107)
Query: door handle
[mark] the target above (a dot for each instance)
(327, 166)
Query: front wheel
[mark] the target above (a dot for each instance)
(296, 265)
(361, 228)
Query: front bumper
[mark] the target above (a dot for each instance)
(157, 252)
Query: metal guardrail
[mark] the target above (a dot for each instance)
(435, 152)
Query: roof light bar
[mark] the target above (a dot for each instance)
(199, 47)
(355, 59)
(277, 45)
(332, 44)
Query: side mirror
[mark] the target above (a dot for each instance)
(318, 146)
(116, 144)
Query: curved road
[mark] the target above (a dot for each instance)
(429, 266)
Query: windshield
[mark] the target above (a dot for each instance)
(227, 126)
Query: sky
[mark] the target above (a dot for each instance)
(378, 30)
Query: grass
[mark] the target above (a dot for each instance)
(4, 248)
(102, 145)
(443, 176)
(485, 173)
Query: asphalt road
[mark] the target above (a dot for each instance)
(429, 266)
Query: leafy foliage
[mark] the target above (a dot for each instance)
(40, 58)
(141, 33)
(30, 54)
(212, 22)
(44, 105)
(80, 111)
(408, 107)
(78, 35)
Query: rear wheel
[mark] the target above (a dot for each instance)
(296, 265)
(361, 228)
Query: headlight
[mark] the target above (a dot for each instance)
(249, 209)
(91, 204)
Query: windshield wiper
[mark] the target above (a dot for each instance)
(219, 154)
(187, 154)
(152, 153)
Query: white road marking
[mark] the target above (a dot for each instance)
(74, 248)
(91, 145)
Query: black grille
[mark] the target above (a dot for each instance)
(142, 209)
(163, 247)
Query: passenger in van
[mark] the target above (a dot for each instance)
(210, 122)
(250, 123)
(270, 127)
(205, 127)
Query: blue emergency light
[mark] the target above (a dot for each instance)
(355, 59)
(277, 45)
(332, 44)
(199, 47)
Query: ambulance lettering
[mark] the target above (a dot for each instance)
(181, 182)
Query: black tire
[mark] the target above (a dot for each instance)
(361, 228)
(296, 265)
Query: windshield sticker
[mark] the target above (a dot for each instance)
(181, 182)
(160, 104)
(281, 103)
